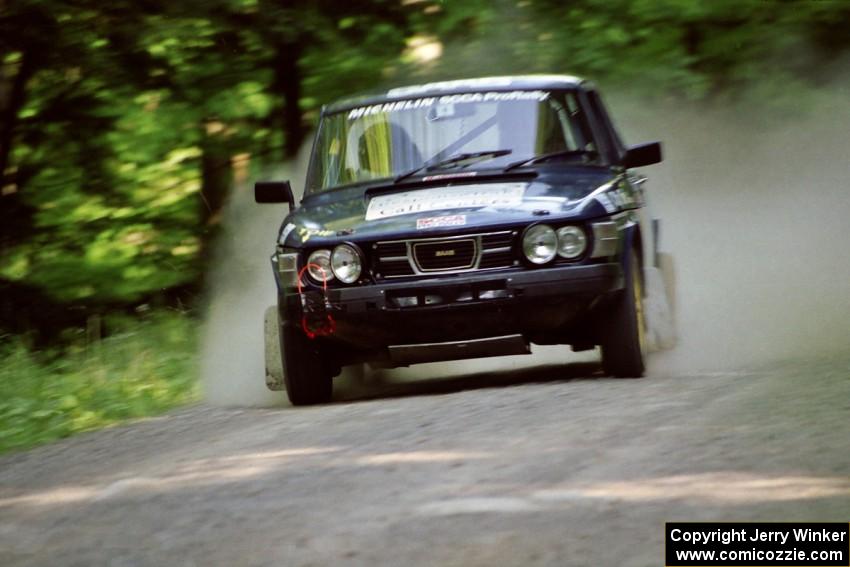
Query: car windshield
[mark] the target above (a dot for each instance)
(460, 131)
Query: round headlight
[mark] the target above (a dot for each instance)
(346, 263)
(319, 266)
(539, 244)
(571, 242)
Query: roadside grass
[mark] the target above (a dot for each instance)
(141, 372)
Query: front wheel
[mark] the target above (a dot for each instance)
(624, 335)
(306, 375)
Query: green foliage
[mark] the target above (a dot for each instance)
(120, 145)
(684, 48)
(140, 372)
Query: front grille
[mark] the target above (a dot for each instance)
(496, 250)
(405, 258)
(445, 255)
(391, 260)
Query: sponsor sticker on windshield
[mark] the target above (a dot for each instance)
(437, 222)
(445, 101)
(499, 196)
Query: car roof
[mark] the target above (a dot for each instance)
(504, 83)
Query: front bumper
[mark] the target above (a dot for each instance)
(551, 282)
(462, 307)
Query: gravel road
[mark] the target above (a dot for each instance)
(550, 465)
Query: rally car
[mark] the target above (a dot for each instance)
(464, 219)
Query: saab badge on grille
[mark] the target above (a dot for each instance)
(445, 255)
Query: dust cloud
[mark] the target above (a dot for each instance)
(755, 212)
(242, 286)
(754, 208)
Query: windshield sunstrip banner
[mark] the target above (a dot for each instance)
(426, 102)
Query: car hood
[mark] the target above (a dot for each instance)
(361, 213)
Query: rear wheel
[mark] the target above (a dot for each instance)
(624, 336)
(306, 375)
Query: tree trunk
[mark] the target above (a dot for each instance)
(14, 91)
(287, 88)
(216, 172)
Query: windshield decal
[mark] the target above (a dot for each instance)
(395, 106)
(427, 102)
(496, 96)
(445, 198)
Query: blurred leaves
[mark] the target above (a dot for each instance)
(119, 121)
(119, 144)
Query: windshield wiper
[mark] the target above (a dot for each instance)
(552, 155)
(457, 158)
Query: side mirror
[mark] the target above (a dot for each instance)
(274, 192)
(642, 154)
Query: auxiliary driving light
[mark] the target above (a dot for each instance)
(319, 266)
(346, 263)
(540, 244)
(571, 242)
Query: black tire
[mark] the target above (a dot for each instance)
(624, 335)
(305, 373)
